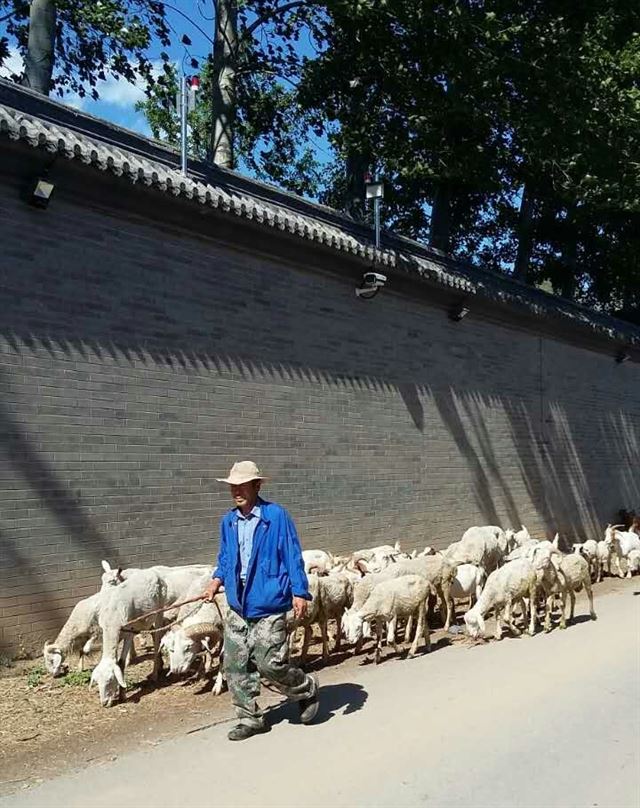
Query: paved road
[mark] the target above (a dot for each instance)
(535, 723)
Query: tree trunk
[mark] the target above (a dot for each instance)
(356, 167)
(225, 52)
(440, 235)
(38, 64)
(569, 279)
(525, 236)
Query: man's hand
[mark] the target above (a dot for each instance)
(212, 590)
(299, 608)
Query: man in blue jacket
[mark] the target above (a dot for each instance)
(260, 565)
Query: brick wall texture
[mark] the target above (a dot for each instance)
(138, 362)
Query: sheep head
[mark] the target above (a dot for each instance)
(474, 622)
(108, 677)
(181, 646)
(351, 625)
(53, 659)
(112, 576)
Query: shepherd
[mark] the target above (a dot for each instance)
(260, 565)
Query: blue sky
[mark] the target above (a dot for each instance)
(118, 98)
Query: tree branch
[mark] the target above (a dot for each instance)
(274, 13)
(186, 16)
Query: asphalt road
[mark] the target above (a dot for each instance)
(538, 722)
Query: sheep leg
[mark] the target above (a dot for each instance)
(548, 606)
(563, 606)
(589, 592)
(157, 656)
(444, 595)
(508, 618)
(533, 595)
(426, 630)
(305, 644)
(325, 640)
(378, 641)
(620, 572)
(391, 634)
(498, 633)
(572, 595)
(408, 628)
(451, 607)
(338, 644)
(125, 651)
(219, 682)
(421, 631)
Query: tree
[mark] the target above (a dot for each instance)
(269, 131)
(248, 111)
(69, 45)
(507, 129)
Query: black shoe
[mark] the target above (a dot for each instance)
(309, 707)
(243, 731)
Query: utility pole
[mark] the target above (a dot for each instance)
(186, 102)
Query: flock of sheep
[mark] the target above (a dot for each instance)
(370, 591)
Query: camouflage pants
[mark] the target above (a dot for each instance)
(255, 648)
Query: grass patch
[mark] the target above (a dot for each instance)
(35, 676)
(76, 678)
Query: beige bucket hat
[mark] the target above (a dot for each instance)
(242, 472)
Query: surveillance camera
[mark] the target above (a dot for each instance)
(371, 284)
(374, 279)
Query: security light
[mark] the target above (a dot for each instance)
(41, 193)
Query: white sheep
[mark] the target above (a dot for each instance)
(589, 550)
(521, 550)
(504, 587)
(331, 595)
(390, 600)
(575, 574)
(371, 559)
(516, 538)
(78, 634)
(318, 561)
(621, 543)
(335, 593)
(468, 583)
(350, 624)
(141, 592)
(484, 546)
(633, 561)
(199, 628)
(178, 580)
(440, 572)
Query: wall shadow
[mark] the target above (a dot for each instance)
(140, 303)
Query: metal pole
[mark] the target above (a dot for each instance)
(183, 123)
(376, 218)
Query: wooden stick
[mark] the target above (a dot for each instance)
(163, 609)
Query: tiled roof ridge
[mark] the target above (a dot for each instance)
(33, 119)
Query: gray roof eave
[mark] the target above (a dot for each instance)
(45, 124)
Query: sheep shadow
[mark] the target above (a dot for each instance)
(148, 685)
(345, 698)
(579, 618)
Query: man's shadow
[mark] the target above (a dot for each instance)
(333, 698)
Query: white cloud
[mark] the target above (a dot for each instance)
(117, 92)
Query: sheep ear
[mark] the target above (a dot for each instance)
(56, 659)
(119, 676)
(119, 574)
(556, 541)
(397, 546)
(105, 565)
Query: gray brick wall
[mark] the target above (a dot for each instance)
(138, 361)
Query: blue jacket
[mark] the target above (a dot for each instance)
(276, 570)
